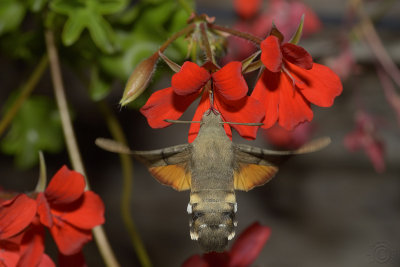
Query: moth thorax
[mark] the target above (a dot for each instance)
(213, 226)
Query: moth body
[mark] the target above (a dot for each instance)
(212, 196)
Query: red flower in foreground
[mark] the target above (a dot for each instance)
(64, 207)
(230, 99)
(243, 252)
(21, 235)
(290, 82)
(365, 136)
(68, 211)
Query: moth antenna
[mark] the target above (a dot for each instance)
(244, 123)
(178, 121)
(314, 145)
(112, 146)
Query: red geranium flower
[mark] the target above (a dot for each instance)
(290, 82)
(244, 251)
(21, 235)
(64, 207)
(229, 96)
(68, 211)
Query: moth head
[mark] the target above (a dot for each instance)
(212, 230)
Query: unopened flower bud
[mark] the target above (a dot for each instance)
(139, 79)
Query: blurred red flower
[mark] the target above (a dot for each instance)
(365, 136)
(290, 82)
(284, 139)
(68, 211)
(229, 96)
(244, 251)
(284, 14)
(247, 8)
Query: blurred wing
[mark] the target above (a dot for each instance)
(170, 166)
(254, 166)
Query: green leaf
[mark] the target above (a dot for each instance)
(89, 14)
(109, 6)
(37, 5)
(297, 35)
(11, 15)
(36, 127)
(73, 28)
(101, 33)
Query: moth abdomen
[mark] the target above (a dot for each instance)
(212, 222)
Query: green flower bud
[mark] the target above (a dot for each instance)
(139, 79)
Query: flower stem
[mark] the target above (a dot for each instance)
(237, 33)
(370, 34)
(176, 35)
(127, 173)
(72, 147)
(26, 91)
(61, 100)
(206, 43)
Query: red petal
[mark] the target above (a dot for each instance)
(190, 79)
(32, 245)
(9, 253)
(297, 55)
(165, 104)
(43, 209)
(293, 107)
(271, 55)
(65, 187)
(69, 239)
(76, 260)
(203, 106)
(229, 81)
(195, 261)
(15, 215)
(216, 259)
(320, 85)
(249, 244)
(87, 215)
(244, 110)
(46, 262)
(266, 92)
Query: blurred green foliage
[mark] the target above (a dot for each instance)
(36, 127)
(101, 40)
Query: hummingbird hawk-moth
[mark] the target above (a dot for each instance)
(212, 167)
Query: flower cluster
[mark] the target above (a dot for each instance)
(65, 208)
(290, 81)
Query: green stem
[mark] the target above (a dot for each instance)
(206, 43)
(176, 35)
(127, 173)
(72, 147)
(237, 33)
(26, 91)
